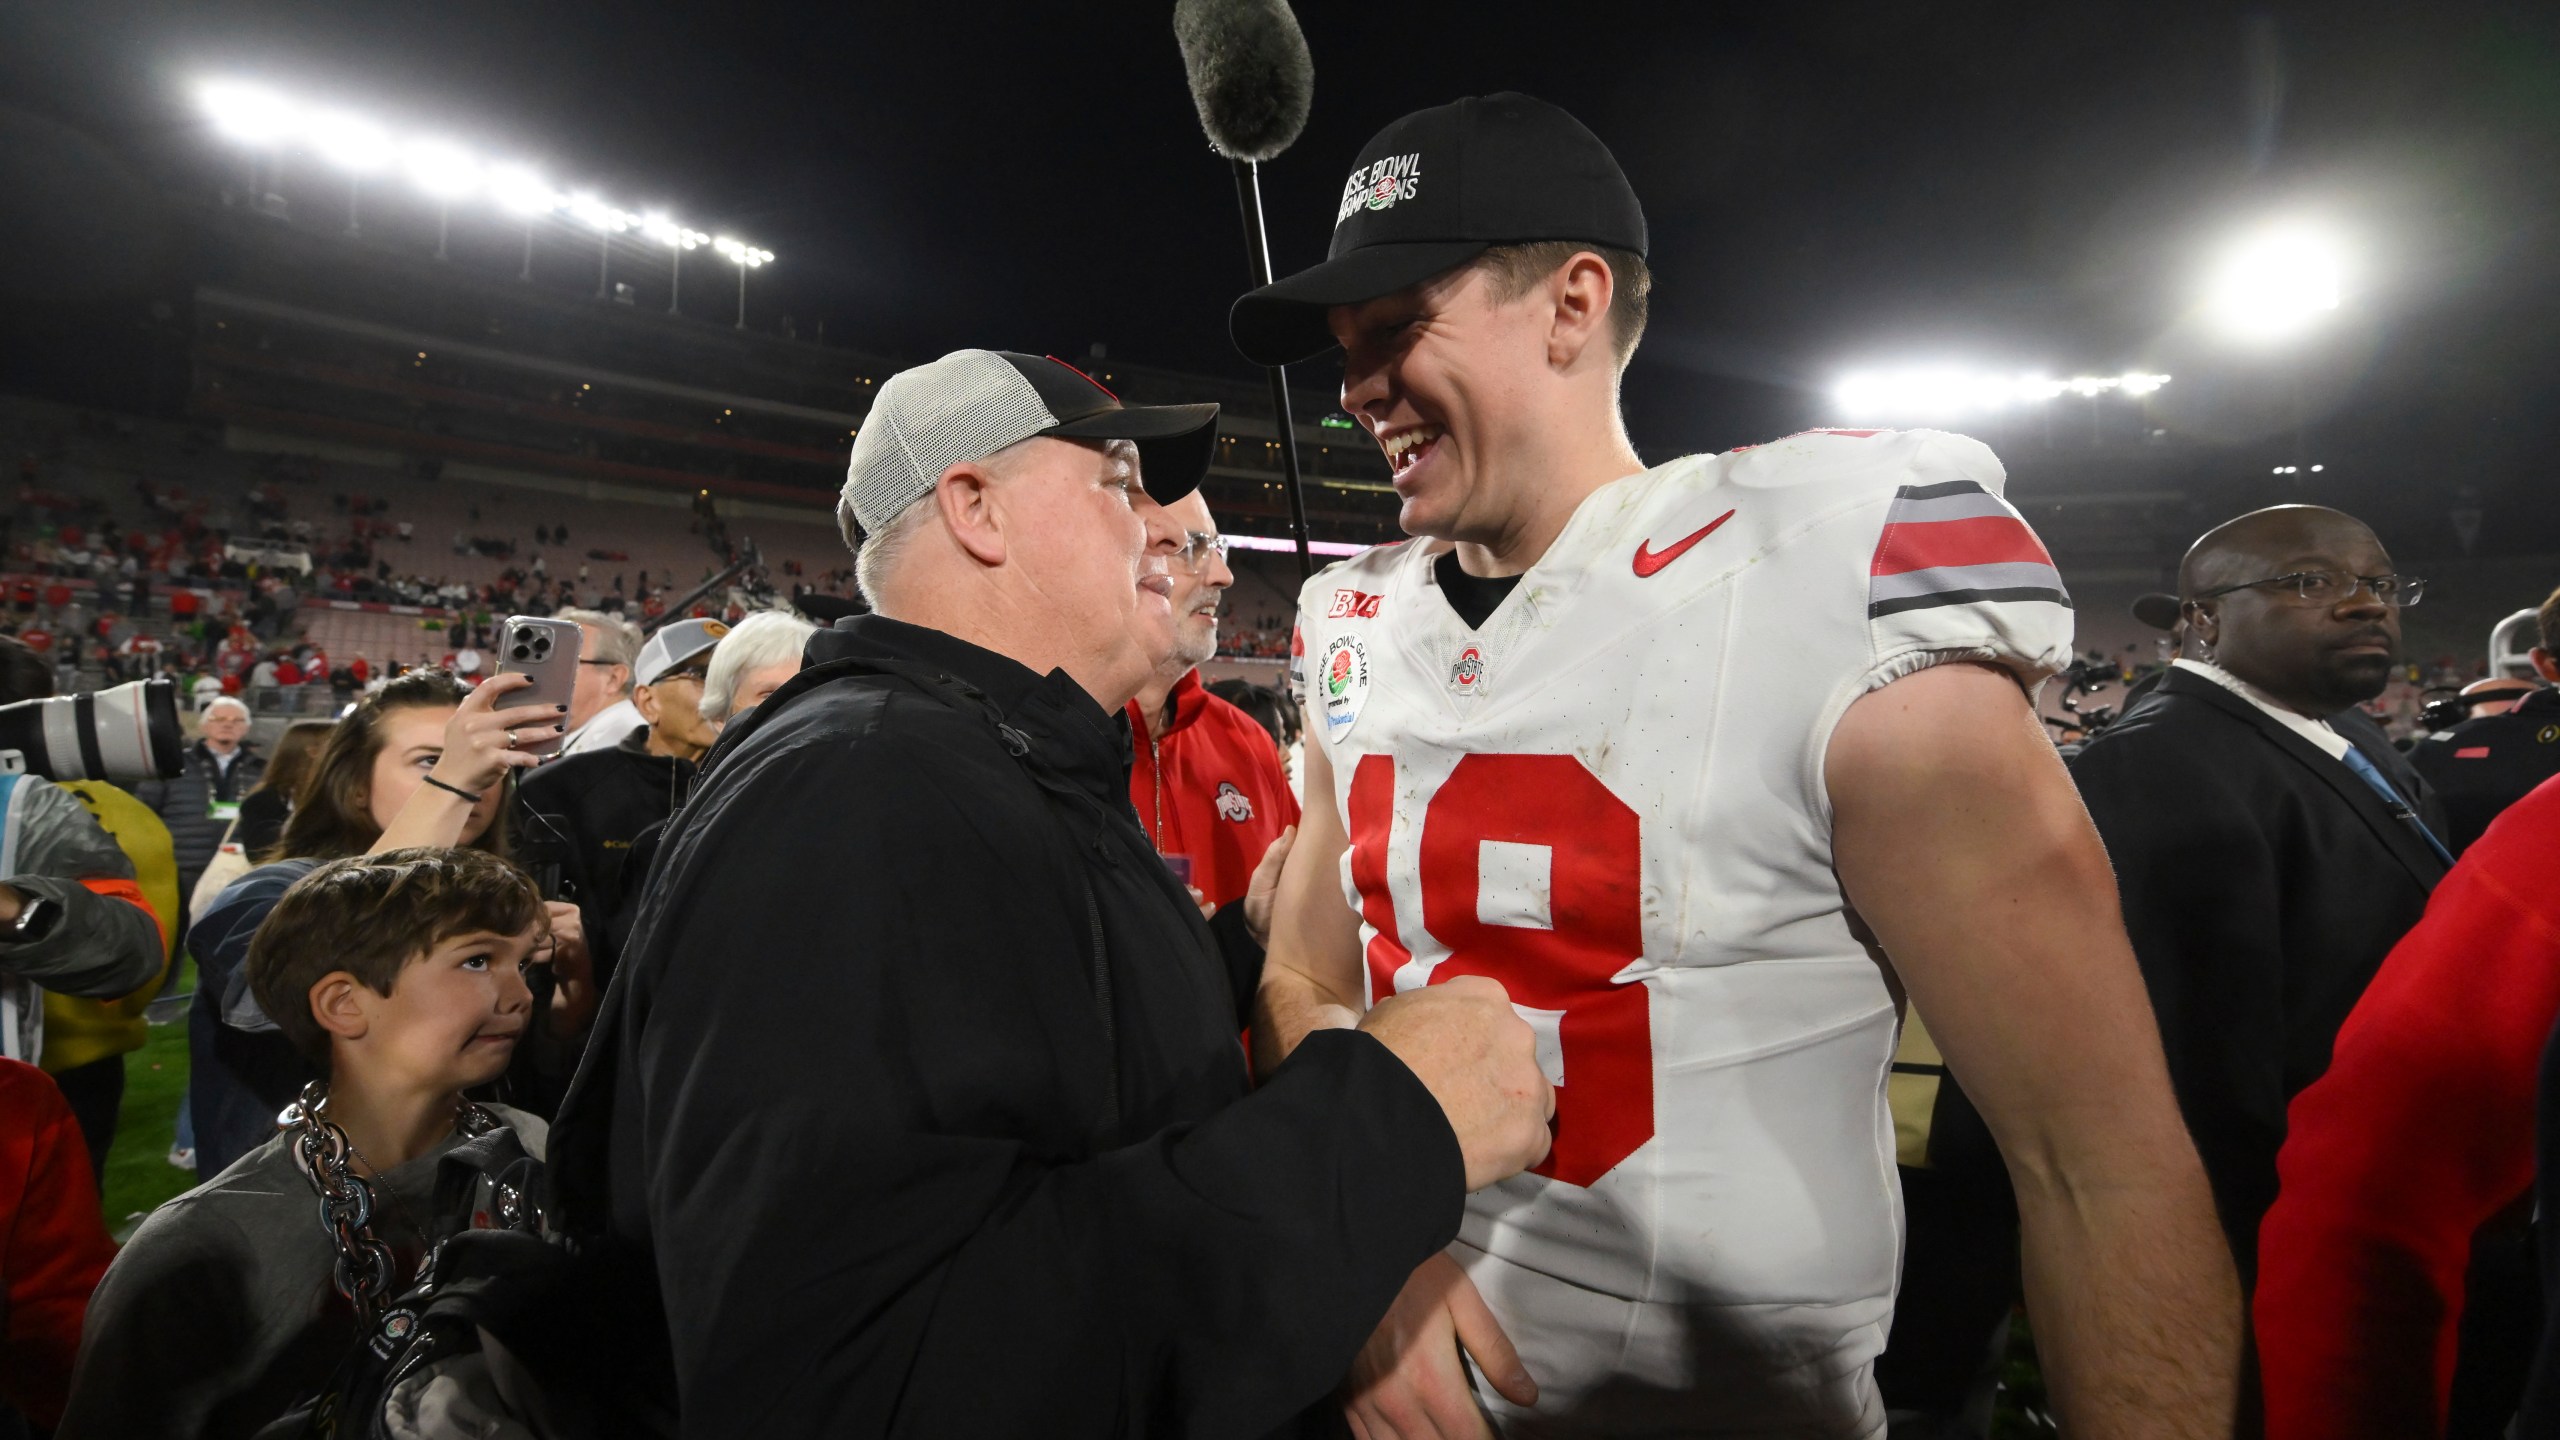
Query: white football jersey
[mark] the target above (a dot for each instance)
(1610, 798)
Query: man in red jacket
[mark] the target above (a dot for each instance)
(53, 1247)
(2420, 1132)
(1206, 781)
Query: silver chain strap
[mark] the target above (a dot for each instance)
(365, 1272)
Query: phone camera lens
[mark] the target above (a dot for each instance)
(522, 653)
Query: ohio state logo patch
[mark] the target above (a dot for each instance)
(1466, 676)
(1232, 804)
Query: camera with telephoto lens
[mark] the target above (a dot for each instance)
(120, 735)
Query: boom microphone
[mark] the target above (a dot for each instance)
(1253, 82)
(1251, 75)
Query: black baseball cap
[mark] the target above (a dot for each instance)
(2156, 610)
(1435, 190)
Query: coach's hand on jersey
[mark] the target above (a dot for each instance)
(1480, 1061)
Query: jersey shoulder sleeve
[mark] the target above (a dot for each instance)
(1946, 568)
(1956, 572)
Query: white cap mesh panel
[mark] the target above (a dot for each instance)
(965, 406)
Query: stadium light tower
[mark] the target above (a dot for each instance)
(1946, 392)
(607, 222)
(2277, 282)
(746, 257)
(678, 240)
(354, 145)
(446, 172)
(526, 196)
(253, 116)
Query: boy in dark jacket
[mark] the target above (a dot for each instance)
(403, 975)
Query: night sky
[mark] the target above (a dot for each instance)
(1828, 185)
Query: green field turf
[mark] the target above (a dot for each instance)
(139, 1175)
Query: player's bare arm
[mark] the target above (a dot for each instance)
(1311, 965)
(1959, 839)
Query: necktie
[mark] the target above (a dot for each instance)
(2366, 771)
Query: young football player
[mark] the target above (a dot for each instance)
(1709, 763)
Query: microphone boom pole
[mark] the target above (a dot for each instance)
(1257, 250)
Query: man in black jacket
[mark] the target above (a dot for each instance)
(583, 813)
(920, 1082)
(2482, 766)
(2267, 861)
(200, 802)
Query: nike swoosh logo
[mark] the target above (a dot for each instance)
(1649, 561)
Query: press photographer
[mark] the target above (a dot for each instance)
(73, 922)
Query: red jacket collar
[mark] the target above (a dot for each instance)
(1189, 698)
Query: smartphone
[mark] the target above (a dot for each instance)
(548, 650)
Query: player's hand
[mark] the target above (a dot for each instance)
(573, 971)
(480, 740)
(1480, 1061)
(1265, 882)
(1406, 1383)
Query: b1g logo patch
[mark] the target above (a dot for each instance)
(1342, 684)
(1232, 803)
(1466, 676)
(1380, 184)
(1353, 605)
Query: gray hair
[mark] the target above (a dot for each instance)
(878, 553)
(616, 640)
(220, 701)
(767, 637)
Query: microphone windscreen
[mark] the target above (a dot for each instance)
(1251, 75)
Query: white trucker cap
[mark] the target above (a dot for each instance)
(972, 403)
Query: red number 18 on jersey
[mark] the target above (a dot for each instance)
(1595, 927)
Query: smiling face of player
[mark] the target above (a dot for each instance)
(1454, 384)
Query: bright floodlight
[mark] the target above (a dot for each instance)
(1950, 392)
(659, 227)
(348, 142)
(519, 191)
(251, 114)
(443, 170)
(2278, 281)
(597, 215)
(741, 253)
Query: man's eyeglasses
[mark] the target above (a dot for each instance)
(696, 674)
(1198, 546)
(2329, 587)
(599, 662)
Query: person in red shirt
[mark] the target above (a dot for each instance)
(2421, 1131)
(53, 1247)
(1206, 781)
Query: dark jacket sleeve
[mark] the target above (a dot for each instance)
(2199, 882)
(107, 941)
(851, 1044)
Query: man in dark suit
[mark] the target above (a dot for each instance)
(2267, 860)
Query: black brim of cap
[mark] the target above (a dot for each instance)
(1283, 322)
(1174, 443)
(2156, 610)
